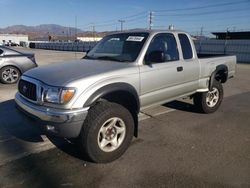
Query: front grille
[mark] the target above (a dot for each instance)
(27, 89)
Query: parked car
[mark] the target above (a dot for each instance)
(97, 99)
(14, 63)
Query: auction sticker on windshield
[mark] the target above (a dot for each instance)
(135, 38)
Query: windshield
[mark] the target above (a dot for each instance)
(123, 47)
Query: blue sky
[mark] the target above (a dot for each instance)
(233, 15)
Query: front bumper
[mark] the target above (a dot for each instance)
(59, 122)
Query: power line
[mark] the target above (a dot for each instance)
(115, 20)
(136, 19)
(104, 25)
(204, 13)
(186, 19)
(135, 15)
(203, 7)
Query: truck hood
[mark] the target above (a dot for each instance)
(60, 74)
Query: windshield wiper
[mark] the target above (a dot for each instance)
(111, 58)
(107, 58)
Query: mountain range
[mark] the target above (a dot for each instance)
(44, 30)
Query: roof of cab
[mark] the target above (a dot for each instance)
(153, 31)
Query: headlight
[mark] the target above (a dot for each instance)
(58, 95)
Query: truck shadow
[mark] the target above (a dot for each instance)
(182, 106)
(14, 124)
(68, 146)
(23, 131)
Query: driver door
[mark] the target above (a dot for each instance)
(161, 76)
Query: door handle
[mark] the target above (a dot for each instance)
(179, 69)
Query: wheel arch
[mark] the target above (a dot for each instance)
(121, 93)
(220, 74)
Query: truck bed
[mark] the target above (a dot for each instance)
(216, 59)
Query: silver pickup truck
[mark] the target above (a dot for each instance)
(97, 99)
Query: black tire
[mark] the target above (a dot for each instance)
(15, 75)
(210, 106)
(91, 131)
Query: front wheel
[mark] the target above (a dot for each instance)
(107, 132)
(209, 102)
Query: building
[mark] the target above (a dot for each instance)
(13, 38)
(232, 35)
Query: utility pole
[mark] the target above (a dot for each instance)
(75, 28)
(227, 33)
(75, 34)
(150, 20)
(68, 35)
(93, 27)
(121, 21)
(201, 33)
(70, 30)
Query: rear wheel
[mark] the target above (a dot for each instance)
(9, 75)
(209, 102)
(107, 132)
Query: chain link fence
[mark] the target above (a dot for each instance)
(64, 46)
(240, 48)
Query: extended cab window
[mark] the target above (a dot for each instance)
(162, 48)
(185, 46)
(1, 52)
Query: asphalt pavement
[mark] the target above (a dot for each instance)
(177, 147)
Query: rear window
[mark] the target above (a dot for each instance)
(185, 46)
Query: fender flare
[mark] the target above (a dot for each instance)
(218, 68)
(120, 86)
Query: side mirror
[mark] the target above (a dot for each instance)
(155, 57)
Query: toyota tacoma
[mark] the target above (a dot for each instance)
(97, 99)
